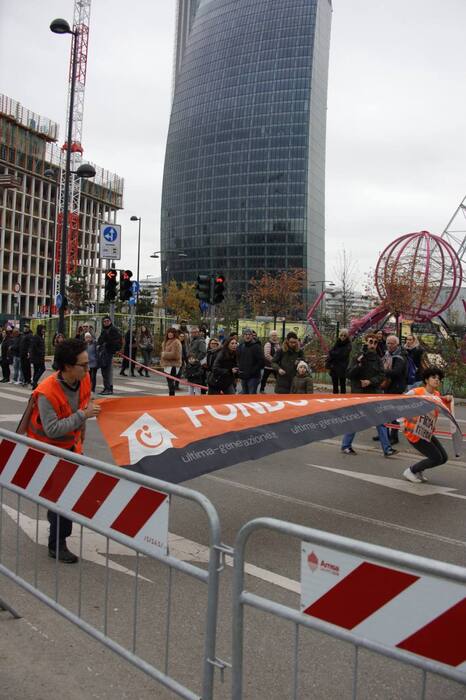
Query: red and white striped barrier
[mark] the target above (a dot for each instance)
(108, 502)
(418, 613)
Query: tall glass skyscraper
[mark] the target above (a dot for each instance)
(244, 177)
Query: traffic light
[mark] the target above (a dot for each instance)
(110, 285)
(126, 291)
(219, 289)
(203, 288)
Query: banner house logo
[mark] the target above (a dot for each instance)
(312, 561)
(146, 436)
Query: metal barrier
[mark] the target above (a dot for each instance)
(126, 508)
(351, 551)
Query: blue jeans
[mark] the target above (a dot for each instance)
(383, 437)
(249, 386)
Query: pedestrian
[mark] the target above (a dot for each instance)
(197, 346)
(170, 358)
(414, 352)
(60, 410)
(366, 373)
(194, 372)
(24, 355)
(222, 378)
(57, 340)
(213, 348)
(338, 360)
(285, 362)
(108, 344)
(37, 354)
(302, 381)
(184, 340)
(250, 362)
(126, 351)
(6, 356)
(381, 343)
(395, 381)
(145, 343)
(14, 351)
(91, 347)
(271, 347)
(419, 430)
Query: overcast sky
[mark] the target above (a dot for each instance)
(396, 146)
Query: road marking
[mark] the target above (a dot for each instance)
(401, 454)
(5, 418)
(13, 397)
(390, 482)
(95, 544)
(337, 511)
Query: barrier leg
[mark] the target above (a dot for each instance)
(12, 611)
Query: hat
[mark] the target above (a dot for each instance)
(247, 330)
(301, 363)
(106, 318)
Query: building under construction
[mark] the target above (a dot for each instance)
(30, 224)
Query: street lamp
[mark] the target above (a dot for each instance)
(179, 254)
(138, 218)
(61, 26)
(321, 297)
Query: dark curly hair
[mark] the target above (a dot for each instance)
(432, 372)
(66, 353)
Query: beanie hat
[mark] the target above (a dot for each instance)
(301, 363)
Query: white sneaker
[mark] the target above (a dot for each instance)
(422, 477)
(410, 476)
(17, 382)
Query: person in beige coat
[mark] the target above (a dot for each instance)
(171, 357)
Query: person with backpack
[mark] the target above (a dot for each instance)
(414, 352)
(271, 347)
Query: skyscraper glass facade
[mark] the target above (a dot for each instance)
(244, 178)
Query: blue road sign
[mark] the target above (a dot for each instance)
(58, 301)
(203, 305)
(132, 301)
(135, 287)
(110, 234)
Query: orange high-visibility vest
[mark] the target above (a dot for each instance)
(410, 423)
(53, 392)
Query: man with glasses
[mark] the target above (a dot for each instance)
(61, 406)
(366, 373)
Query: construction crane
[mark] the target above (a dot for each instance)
(456, 237)
(81, 17)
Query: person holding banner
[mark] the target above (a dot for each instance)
(419, 430)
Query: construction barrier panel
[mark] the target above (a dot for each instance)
(401, 606)
(131, 514)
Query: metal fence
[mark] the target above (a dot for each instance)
(130, 511)
(437, 571)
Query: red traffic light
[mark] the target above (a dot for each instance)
(111, 274)
(220, 279)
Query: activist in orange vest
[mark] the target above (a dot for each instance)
(419, 430)
(62, 404)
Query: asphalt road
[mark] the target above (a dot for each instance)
(362, 496)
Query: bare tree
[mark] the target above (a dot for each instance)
(345, 274)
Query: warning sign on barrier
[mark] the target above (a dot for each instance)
(397, 607)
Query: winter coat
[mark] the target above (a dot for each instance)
(270, 350)
(302, 385)
(198, 348)
(367, 365)
(250, 359)
(398, 374)
(210, 358)
(145, 341)
(134, 343)
(110, 340)
(194, 372)
(91, 349)
(37, 349)
(221, 377)
(171, 354)
(14, 347)
(7, 344)
(286, 359)
(24, 344)
(338, 358)
(415, 354)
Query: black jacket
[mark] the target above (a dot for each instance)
(367, 365)
(7, 343)
(110, 338)
(194, 372)
(286, 359)
(37, 349)
(24, 344)
(250, 359)
(398, 374)
(222, 377)
(338, 357)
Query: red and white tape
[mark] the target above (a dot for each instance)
(422, 614)
(109, 502)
